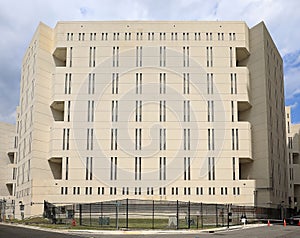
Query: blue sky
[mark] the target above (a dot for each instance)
(19, 19)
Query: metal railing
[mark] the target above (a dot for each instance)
(153, 214)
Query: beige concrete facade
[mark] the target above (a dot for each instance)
(8, 169)
(293, 145)
(188, 111)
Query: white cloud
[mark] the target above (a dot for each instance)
(292, 83)
(293, 106)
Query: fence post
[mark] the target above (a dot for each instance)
(201, 213)
(223, 216)
(117, 215)
(152, 214)
(90, 214)
(177, 214)
(101, 208)
(80, 214)
(127, 213)
(217, 222)
(189, 215)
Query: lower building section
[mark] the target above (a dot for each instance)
(240, 192)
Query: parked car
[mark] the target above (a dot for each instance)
(294, 220)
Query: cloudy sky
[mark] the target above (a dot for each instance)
(19, 19)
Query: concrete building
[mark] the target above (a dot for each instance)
(164, 110)
(293, 142)
(8, 169)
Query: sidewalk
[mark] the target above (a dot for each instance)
(138, 232)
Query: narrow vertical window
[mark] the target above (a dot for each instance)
(162, 139)
(113, 168)
(116, 36)
(209, 56)
(138, 138)
(160, 56)
(138, 83)
(162, 36)
(220, 36)
(139, 56)
(115, 56)
(186, 139)
(211, 168)
(91, 83)
(94, 57)
(230, 57)
(138, 111)
(92, 36)
(66, 138)
(210, 83)
(232, 110)
(162, 168)
(71, 56)
(90, 56)
(91, 106)
(237, 138)
(139, 36)
(162, 110)
(233, 168)
(68, 81)
(115, 83)
(150, 35)
(186, 83)
(211, 139)
(138, 168)
(210, 111)
(90, 138)
(232, 139)
(232, 36)
(89, 168)
(186, 111)
(233, 83)
(113, 139)
(114, 110)
(163, 56)
(187, 168)
(186, 56)
(162, 83)
(67, 168)
(68, 112)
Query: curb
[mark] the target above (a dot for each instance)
(136, 232)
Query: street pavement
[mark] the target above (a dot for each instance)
(250, 231)
(9, 231)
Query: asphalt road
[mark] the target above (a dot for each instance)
(20, 232)
(276, 231)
